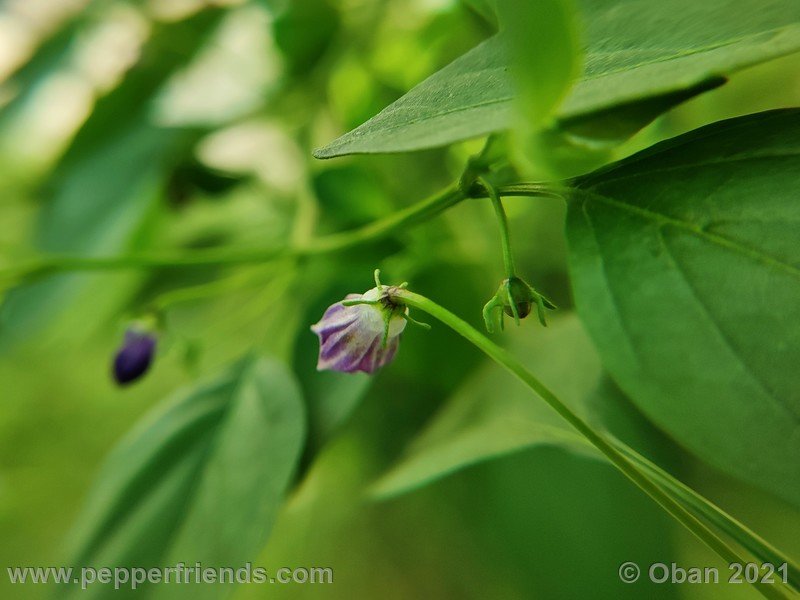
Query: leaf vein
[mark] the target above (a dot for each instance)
(613, 297)
(714, 238)
(695, 165)
(718, 328)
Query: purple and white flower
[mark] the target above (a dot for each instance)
(360, 333)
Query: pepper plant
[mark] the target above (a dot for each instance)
(683, 256)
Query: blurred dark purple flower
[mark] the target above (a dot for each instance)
(135, 356)
(360, 337)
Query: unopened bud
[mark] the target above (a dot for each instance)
(133, 359)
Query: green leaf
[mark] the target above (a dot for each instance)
(685, 265)
(636, 50)
(332, 397)
(544, 51)
(545, 58)
(201, 479)
(494, 415)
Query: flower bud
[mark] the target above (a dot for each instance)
(135, 356)
(515, 298)
(361, 333)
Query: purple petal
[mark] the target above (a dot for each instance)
(378, 355)
(368, 363)
(344, 352)
(390, 351)
(326, 329)
(337, 317)
(339, 342)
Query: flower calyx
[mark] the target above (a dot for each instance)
(515, 298)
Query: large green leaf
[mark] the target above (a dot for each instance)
(201, 479)
(636, 50)
(685, 264)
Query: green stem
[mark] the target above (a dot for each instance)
(417, 213)
(547, 190)
(422, 211)
(747, 538)
(49, 265)
(203, 291)
(502, 222)
(617, 458)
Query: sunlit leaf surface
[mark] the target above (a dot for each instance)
(636, 50)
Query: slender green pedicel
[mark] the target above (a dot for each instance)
(515, 297)
(627, 462)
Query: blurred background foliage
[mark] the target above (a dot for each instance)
(184, 124)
